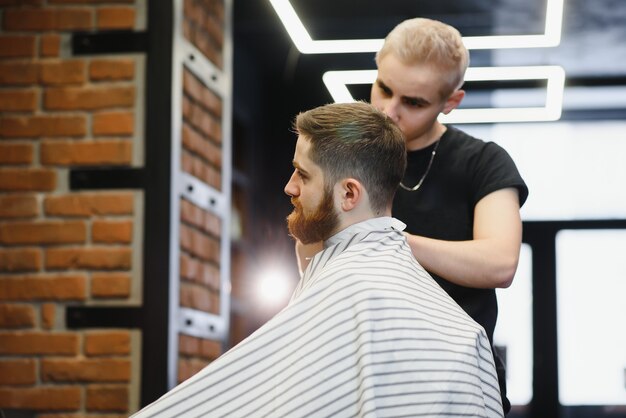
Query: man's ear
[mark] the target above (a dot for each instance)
(453, 101)
(352, 193)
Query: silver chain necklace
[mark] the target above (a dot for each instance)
(430, 163)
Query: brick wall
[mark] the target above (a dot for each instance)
(201, 156)
(60, 247)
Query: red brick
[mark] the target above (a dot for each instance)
(107, 398)
(16, 154)
(16, 316)
(198, 144)
(46, 232)
(49, 287)
(111, 69)
(38, 126)
(54, 398)
(18, 372)
(110, 285)
(107, 343)
(49, 45)
(89, 204)
(192, 8)
(110, 232)
(88, 1)
(115, 18)
(102, 152)
(113, 123)
(188, 32)
(188, 367)
(90, 370)
(48, 315)
(47, 19)
(63, 72)
(199, 347)
(187, 108)
(20, 259)
(21, 2)
(199, 244)
(80, 415)
(17, 46)
(88, 98)
(19, 73)
(218, 9)
(200, 218)
(205, 123)
(18, 206)
(201, 94)
(200, 272)
(18, 100)
(197, 297)
(206, 45)
(27, 179)
(32, 343)
(200, 169)
(98, 258)
(214, 28)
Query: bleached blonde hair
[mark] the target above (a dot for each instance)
(422, 41)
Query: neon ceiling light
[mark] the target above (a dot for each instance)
(306, 45)
(337, 81)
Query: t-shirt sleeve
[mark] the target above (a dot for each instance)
(496, 170)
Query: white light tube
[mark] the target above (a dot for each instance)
(306, 45)
(336, 82)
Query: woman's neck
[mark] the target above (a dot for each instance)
(428, 138)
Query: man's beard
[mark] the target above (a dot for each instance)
(316, 227)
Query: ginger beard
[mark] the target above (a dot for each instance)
(318, 226)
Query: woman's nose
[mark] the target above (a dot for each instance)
(391, 109)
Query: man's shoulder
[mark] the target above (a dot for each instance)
(372, 249)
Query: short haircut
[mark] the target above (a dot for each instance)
(422, 41)
(356, 140)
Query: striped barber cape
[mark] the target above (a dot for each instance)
(367, 333)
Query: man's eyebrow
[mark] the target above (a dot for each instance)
(296, 165)
(417, 100)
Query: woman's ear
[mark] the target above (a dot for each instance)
(453, 101)
(351, 193)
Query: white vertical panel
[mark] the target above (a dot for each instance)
(574, 170)
(591, 312)
(218, 202)
(514, 330)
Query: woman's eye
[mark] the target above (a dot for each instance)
(413, 103)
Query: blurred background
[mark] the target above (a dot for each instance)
(144, 147)
(560, 322)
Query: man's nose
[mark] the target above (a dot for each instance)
(291, 189)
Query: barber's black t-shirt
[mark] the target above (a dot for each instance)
(464, 170)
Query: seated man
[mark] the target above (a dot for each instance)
(367, 331)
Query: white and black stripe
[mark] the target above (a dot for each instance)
(367, 333)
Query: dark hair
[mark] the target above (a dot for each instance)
(356, 140)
